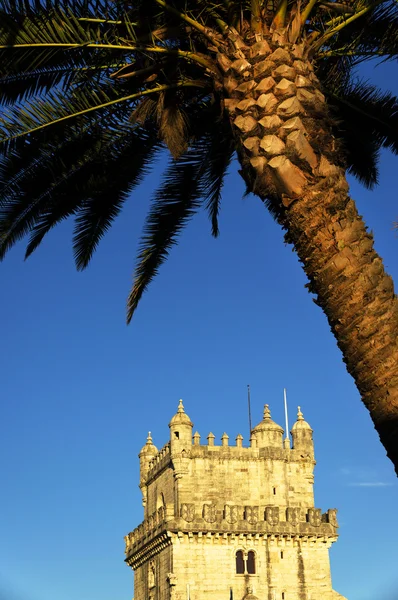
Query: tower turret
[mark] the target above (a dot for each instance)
(268, 433)
(302, 435)
(180, 431)
(147, 453)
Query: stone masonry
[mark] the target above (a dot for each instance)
(231, 522)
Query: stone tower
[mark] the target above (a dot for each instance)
(231, 522)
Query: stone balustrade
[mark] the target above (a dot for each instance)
(151, 525)
(275, 519)
(162, 457)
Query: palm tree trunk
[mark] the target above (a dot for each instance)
(290, 158)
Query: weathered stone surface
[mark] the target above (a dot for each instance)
(291, 179)
(265, 85)
(285, 88)
(245, 124)
(246, 103)
(271, 122)
(272, 145)
(290, 107)
(267, 102)
(319, 96)
(297, 142)
(285, 71)
(204, 503)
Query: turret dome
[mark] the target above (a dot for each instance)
(149, 449)
(302, 436)
(267, 423)
(300, 424)
(267, 432)
(181, 417)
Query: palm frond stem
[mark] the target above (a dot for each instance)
(280, 15)
(351, 19)
(91, 20)
(307, 11)
(210, 35)
(256, 16)
(157, 49)
(160, 88)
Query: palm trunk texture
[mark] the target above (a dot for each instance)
(291, 160)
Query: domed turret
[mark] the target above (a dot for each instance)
(268, 433)
(147, 453)
(302, 435)
(180, 430)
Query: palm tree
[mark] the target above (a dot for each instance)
(93, 90)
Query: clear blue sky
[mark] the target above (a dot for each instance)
(80, 390)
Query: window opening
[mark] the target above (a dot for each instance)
(283, 595)
(251, 562)
(281, 553)
(177, 435)
(240, 563)
(274, 490)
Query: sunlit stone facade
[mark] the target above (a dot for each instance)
(228, 522)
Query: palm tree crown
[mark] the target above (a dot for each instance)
(92, 90)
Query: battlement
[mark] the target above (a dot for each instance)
(160, 460)
(224, 452)
(285, 522)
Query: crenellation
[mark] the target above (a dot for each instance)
(210, 439)
(243, 516)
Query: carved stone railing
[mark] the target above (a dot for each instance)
(252, 515)
(160, 459)
(147, 528)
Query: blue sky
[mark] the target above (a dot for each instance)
(80, 390)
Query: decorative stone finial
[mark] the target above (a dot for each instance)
(267, 412)
(300, 416)
(239, 440)
(149, 439)
(224, 439)
(180, 407)
(196, 438)
(210, 439)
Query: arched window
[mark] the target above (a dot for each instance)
(240, 563)
(245, 563)
(251, 562)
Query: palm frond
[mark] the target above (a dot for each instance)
(367, 121)
(176, 201)
(216, 163)
(106, 192)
